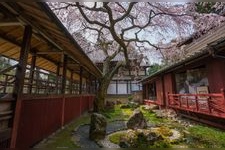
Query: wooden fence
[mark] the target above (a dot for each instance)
(41, 116)
(212, 104)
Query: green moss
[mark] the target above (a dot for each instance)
(161, 144)
(63, 138)
(165, 131)
(115, 137)
(151, 117)
(113, 114)
(118, 114)
(207, 137)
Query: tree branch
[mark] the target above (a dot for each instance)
(87, 19)
(127, 12)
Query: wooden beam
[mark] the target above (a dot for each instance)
(81, 76)
(25, 19)
(14, 42)
(31, 77)
(21, 68)
(20, 75)
(64, 74)
(50, 52)
(9, 22)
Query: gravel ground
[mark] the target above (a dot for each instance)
(81, 135)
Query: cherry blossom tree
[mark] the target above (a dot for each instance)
(206, 16)
(121, 28)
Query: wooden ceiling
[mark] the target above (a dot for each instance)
(50, 39)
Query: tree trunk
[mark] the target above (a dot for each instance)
(99, 103)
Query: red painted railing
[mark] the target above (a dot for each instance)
(210, 104)
(149, 102)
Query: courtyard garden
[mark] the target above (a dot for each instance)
(164, 130)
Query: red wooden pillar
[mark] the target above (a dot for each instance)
(89, 86)
(71, 82)
(146, 91)
(81, 76)
(57, 77)
(31, 77)
(19, 82)
(95, 85)
(63, 87)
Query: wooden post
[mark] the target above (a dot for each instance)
(169, 99)
(223, 95)
(143, 91)
(57, 77)
(89, 87)
(146, 91)
(63, 90)
(128, 87)
(20, 75)
(80, 84)
(145, 68)
(71, 82)
(31, 77)
(187, 102)
(95, 85)
(196, 103)
(37, 80)
(47, 86)
(5, 84)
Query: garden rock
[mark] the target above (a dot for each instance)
(124, 144)
(150, 107)
(118, 102)
(137, 120)
(166, 113)
(153, 137)
(97, 127)
(124, 106)
(110, 105)
(133, 104)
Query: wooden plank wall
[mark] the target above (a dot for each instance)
(42, 116)
(168, 86)
(159, 91)
(216, 75)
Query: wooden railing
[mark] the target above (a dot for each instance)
(150, 102)
(42, 84)
(212, 104)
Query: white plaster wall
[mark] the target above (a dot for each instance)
(111, 89)
(122, 88)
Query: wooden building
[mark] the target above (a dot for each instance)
(195, 85)
(49, 81)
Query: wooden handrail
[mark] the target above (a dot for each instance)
(210, 104)
(8, 69)
(205, 95)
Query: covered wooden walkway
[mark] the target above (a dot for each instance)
(49, 81)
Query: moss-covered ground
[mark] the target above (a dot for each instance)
(199, 135)
(63, 138)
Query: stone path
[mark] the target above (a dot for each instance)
(82, 133)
